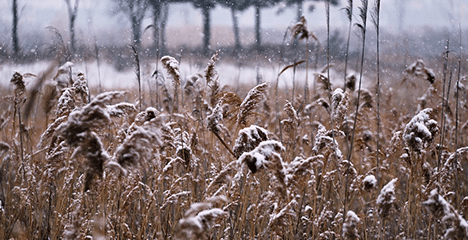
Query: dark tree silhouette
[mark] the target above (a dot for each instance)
(236, 6)
(205, 6)
(299, 5)
(14, 31)
(160, 12)
(135, 10)
(72, 13)
(258, 5)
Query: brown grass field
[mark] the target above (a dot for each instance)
(193, 159)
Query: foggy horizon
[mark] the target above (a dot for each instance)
(96, 18)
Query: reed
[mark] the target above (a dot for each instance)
(212, 161)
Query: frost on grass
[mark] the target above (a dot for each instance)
(139, 143)
(215, 119)
(66, 103)
(326, 144)
(350, 226)
(121, 109)
(267, 155)
(291, 124)
(280, 219)
(72, 97)
(249, 138)
(386, 199)
(420, 131)
(437, 205)
(81, 88)
(453, 164)
(441, 209)
(62, 77)
(301, 167)
(339, 106)
(200, 219)
(369, 182)
(211, 76)
(146, 115)
(78, 131)
(419, 69)
(262, 155)
(172, 67)
(93, 116)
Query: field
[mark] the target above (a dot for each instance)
(301, 152)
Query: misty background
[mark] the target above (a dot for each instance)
(409, 28)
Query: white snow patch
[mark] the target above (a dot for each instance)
(387, 190)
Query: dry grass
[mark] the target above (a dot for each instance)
(214, 164)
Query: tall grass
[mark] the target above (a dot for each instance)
(212, 163)
(349, 15)
(376, 21)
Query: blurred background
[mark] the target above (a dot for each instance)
(245, 31)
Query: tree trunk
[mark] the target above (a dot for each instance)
(257, 27)
(14, 33)
(72, 35)
(163, 27)
(72, 12)
(156, 16)
(136, 32)
(235, 24)
(206, 30)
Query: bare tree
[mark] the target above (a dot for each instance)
(299, 5)
(135, 11)
(236, 6)
(205, 6)
(156, 6)
(14, 31)
(72, 8)
(164, 18)
(258, 5)
(160, 9)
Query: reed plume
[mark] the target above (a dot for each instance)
(201, 218)
(141, 138)
(20, 91)
(211, 76)
(299, 31)
(251, 101)
(137, 73)
(350, 226)
(419, 69)
(420, 131)
(249, 138)
(172, 67)
(215, 125)
(79, 132)
(386, 199)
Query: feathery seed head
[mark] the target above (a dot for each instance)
(386, 199)
(251, 101)
(419, 69)
(20, 88)
(350, 226)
